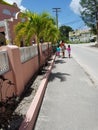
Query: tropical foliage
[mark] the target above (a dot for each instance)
(37, 26)
(3, 2)
(89, 13)
(64, 32)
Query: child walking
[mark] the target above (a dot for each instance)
(58, 51)
(69, 50)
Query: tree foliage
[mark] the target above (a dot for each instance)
(64, 32)
(89, 12)
(3, 2)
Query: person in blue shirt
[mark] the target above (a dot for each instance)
(58, 51)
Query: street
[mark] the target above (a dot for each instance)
(87, 57)
(71, 97)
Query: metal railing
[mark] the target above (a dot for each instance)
(4, 63)
(26, 53)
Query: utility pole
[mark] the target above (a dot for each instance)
(56, 10)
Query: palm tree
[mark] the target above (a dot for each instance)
(38, 26)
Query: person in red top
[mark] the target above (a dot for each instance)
(63, 48)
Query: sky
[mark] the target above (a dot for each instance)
(68, 14)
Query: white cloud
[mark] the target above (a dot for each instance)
(75, 6)
(18, 2)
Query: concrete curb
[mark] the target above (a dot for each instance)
(31, 115)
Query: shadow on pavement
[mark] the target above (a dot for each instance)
(59, 61)
(61, 76)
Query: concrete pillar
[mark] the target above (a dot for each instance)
(16, 66)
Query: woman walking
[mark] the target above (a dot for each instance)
(63, 48)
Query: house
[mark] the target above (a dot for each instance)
(79, 36)
(9, 17)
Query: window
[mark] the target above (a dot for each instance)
(6, 11)
(14, 14)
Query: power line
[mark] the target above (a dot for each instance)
(72, 22)
(56, 10)
(76, 22)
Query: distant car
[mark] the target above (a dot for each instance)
(93, 39)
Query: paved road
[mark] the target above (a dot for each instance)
(71, 99)
(87, 57)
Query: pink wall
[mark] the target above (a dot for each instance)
(21, 73)
(29, 68)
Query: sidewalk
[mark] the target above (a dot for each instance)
(70, 101)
